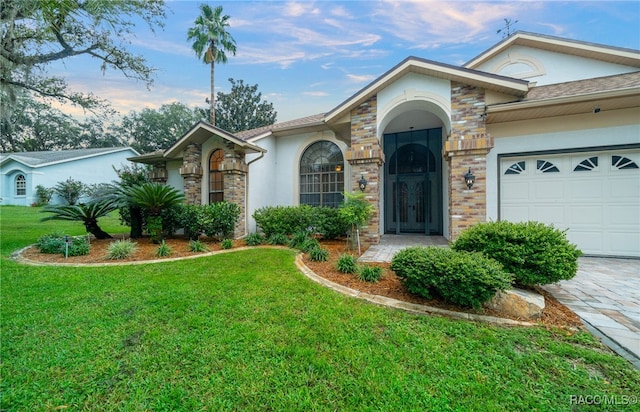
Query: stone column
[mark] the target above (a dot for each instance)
(191, 172)
(159, 173)
(467, 147)
(235, 186)
(366, 158)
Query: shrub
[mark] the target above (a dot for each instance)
(470, 278)
(329, 223)
(415, 266)
(43, 195)
(121, 249)
(226, 244)
(254, 239)
(278, 239)
(70, 190)
(51, 244)
(79, 246)
(163, 250)
(55, 243)
(347, 264)
(298, 239)
(284, 219)
(219, 219)
(370, 273)
(189, 220)
(308, 244)
(319, 255)
(535, 253)
(197, 246)
(171, 220)
(462, 278)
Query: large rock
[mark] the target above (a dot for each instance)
(522, 304)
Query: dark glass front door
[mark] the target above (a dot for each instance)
(413, 181)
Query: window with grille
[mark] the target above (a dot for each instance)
(322, 175)
(216, 178)
(21, 185)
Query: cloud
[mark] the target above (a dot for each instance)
(316, 94)
(362, 78)
(431, 24)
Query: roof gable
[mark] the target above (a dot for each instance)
(202, 132)
(502, 84)
(610, 54)
(48, 158)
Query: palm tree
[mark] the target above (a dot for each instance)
(211, 41)
(88, 214)
(154, 198)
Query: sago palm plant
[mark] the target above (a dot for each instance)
(154, 198)
(87, 213)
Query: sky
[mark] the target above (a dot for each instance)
(309, 56)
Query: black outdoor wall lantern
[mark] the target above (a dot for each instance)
(362, 183)
(469, 179)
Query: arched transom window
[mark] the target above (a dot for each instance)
(216, 178)
(21, 185)
(322, 175)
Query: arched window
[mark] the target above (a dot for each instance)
(216, 178)
(322, 175)
(21, 185)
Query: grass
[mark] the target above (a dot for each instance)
(246, 331)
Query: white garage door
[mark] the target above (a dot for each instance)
(595, 195)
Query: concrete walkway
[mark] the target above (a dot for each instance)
(605, 293)
(391, 244)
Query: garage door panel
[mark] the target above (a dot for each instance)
(625, 215)
(584, 189)
(518, 191)
(595, 194)
(548, 213)
(624, 243)
(624, 187)
(588, 241)
(548, 190)
(516, 213)
(584, 214)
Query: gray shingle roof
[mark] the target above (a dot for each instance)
(582, 87)
(302, 122)
(45, 157)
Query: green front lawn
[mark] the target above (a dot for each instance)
(247, 331)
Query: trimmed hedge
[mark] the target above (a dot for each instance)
(537, 254)
(285, 220)
(326, 221)
(416, 268)
(462, 278)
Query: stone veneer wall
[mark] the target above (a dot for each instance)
(366, 158)
(235, 185)
(191, 172)
(467, 147)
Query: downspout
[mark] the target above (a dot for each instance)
(246, 193)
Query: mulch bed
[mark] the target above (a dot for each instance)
(554, 315)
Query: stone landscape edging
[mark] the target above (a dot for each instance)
(376, 299)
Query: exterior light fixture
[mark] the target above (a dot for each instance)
(469, 179)
(362, 183)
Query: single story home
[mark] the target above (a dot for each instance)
(21, 172)
(535, 128)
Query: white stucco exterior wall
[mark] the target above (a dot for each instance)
(90, 170)
(546, 67)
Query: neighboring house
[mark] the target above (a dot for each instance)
(21, 172)
(549, 127)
